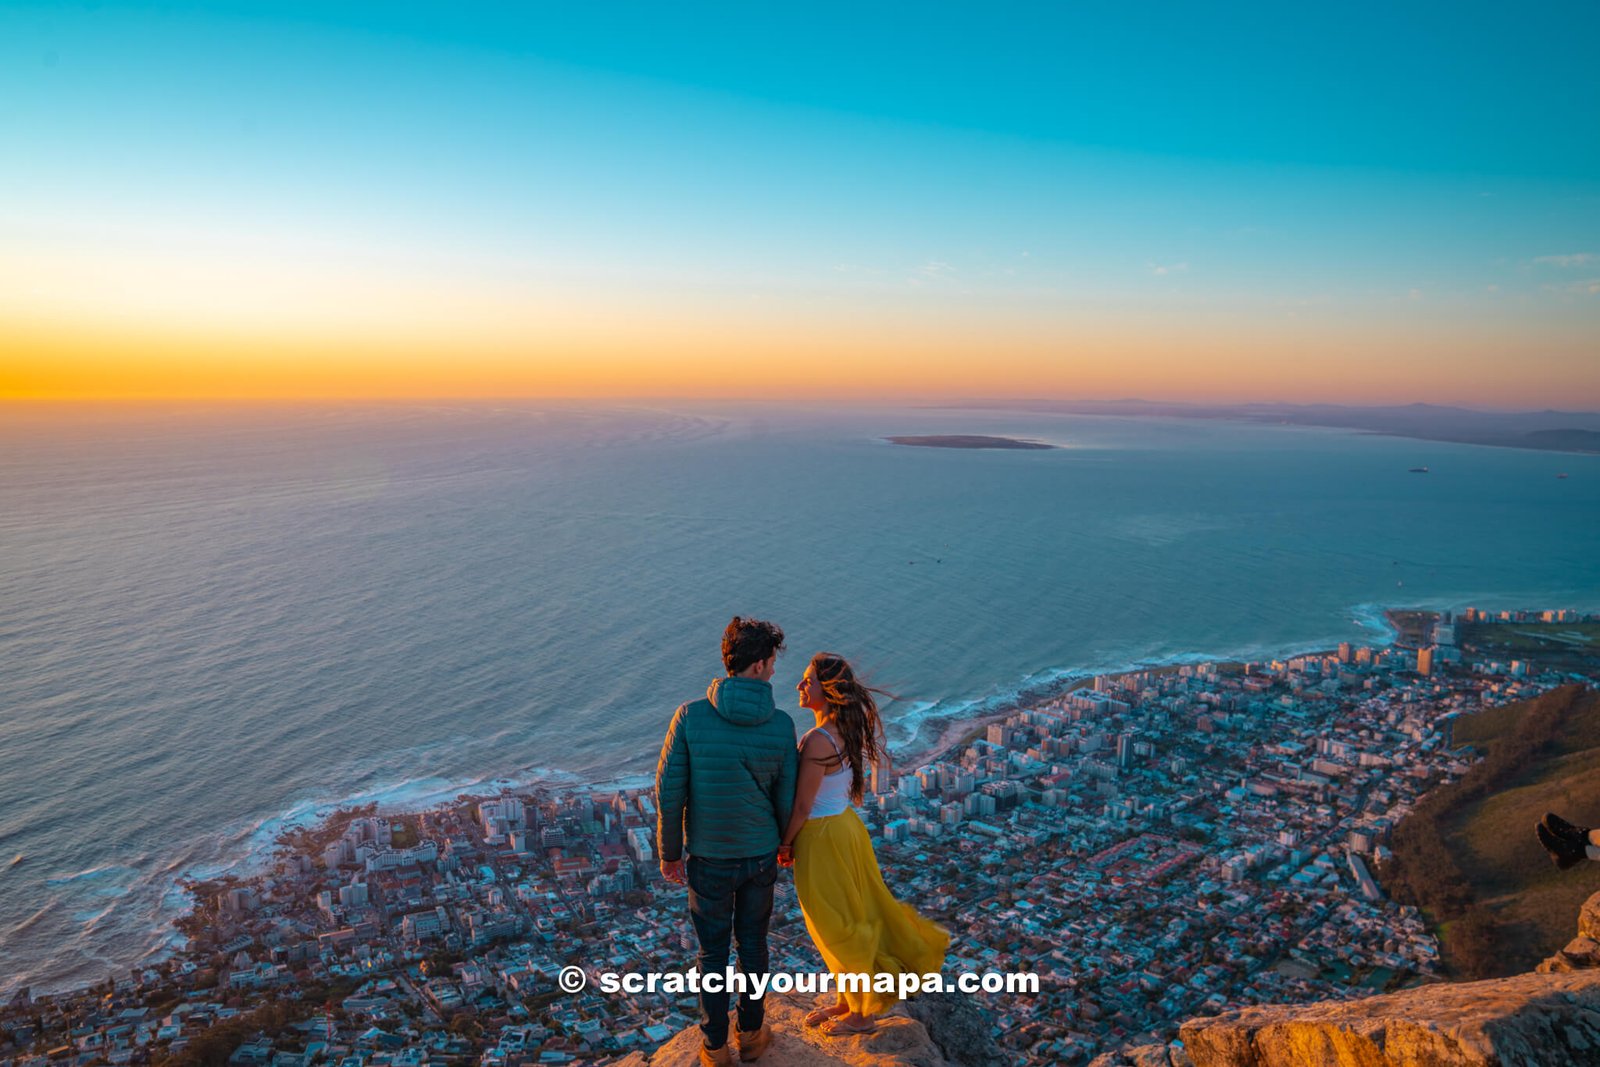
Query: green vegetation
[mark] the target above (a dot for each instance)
(440, 961)
(332, 991)
(211, 1048)
(1412, 628)
(1481, 728)
(1571, 646)
(1466, 854)
(163, 1002)
(1562, 646)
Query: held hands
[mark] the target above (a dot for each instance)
(672, 870)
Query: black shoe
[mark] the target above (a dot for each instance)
(1562, 828)
(1563, 850)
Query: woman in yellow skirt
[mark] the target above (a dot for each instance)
(857, 924)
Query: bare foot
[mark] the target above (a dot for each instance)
(822, 1015)
(851, 1023)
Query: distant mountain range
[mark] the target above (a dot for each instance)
(1551, 431)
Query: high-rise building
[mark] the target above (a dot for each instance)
(641, 842)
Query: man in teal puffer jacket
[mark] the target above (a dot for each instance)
(725, 781)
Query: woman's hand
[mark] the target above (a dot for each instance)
(785, 855)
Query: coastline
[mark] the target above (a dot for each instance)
(957, 731)
(954, 732)
(934, 739)
(1080, 852)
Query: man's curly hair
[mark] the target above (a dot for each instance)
(749, 641)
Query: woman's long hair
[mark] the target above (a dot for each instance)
(856, 712)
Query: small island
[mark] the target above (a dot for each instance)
(965, 441)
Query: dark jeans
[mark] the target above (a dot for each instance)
(731, 898)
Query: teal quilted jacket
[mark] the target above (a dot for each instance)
(725, 779)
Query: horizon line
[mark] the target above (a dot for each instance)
(239, 400)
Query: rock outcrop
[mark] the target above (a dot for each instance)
(1542, 1019)
(935, 1031)
(1532, 1020)
(1551, 1016)
(1583, 951)
(1144, 1056)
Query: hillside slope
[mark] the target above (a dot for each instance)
(1467, 854)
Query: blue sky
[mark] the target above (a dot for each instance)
(1425, 172)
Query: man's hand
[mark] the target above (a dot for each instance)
(672, 871)
(785, 855)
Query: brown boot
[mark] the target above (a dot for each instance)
(715, 1057)
(752, 1043)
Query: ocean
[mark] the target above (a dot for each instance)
(218, 622)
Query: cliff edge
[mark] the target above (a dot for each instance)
(936, 1030)
(1549, 1016)
(1546, 1017)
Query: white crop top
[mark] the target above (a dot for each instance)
(833, 794)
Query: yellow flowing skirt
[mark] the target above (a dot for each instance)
(857, 924)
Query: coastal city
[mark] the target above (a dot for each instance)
(1155, 845)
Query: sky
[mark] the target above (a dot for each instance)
(1374, 203)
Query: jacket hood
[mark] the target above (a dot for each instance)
(742, 701)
